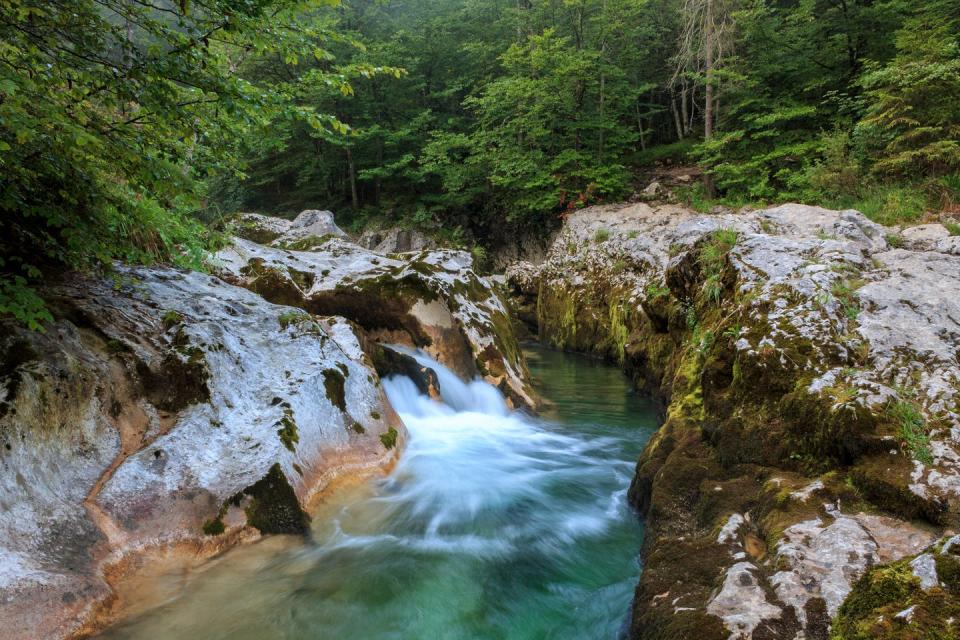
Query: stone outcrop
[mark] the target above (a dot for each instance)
(309, 227)
(167, 415)
(168, 412)
(807, 363)
(429, 299)
(395, 240)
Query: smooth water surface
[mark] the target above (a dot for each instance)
(494, 525)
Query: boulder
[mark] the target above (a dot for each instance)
(395, 240)
(432, 300)
(309, 227)
(166, 414)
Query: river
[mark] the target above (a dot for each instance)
(494, 525)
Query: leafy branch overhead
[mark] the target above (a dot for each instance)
(112, 113)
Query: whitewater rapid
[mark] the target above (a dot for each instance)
(495, 524)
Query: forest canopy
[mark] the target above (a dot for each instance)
(130, 129)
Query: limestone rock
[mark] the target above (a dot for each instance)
(395, 240)
(524, 278)
(308, 228)
(925, 569)
(924, 237)
(174, 412)
(312, 222)
(783, 340)
(431, 299)
(741, 602)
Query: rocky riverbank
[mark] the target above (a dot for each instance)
(806, 480)
(166, 415)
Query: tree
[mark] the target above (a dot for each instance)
(112, 111)
(914, 100)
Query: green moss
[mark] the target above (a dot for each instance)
(171, 318)
(307, 243)
(879, 587)
(714, 249)
(948, 571)
(357, 427)
(294, 318)
(288, 432)
(375, 415)
(884, 480)
(895, 240)
(334, 382)
(657, 290)
(116, 346)
(214, 526)
(273, 506)
(845, 293)
(618, 333)
(389, 439)
(251, 230)
(952, 228)
(869, 612)
(601, 235)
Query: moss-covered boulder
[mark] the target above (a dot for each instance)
(432, 300)
(809, 378)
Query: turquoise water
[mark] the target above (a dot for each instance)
(494, 525)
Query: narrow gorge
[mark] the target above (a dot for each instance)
(796, 372)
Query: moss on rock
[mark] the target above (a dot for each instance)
(334, 382)
(288, 432)
(389, 439)
(273, 506)
(887, 603)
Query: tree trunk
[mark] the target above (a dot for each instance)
(643, 141)
(684, 115)
(377, 183)
(603, 84)
(676, 117)
(708, 95)
(354, 197)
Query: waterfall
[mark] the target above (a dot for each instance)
(475, 396)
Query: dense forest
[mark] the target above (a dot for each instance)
(131, 129)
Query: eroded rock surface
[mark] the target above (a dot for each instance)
(429, 299)
(174, 411)
(309, 227)
(395, 240)
(809, 373)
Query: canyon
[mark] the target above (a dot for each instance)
(804, 481)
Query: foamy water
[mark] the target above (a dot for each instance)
(494, 524)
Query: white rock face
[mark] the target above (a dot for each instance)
(827, 277)
(136, 419)
(824, 559)
(312, 223)
(925, 569)
(742, 603)
(820, 298)
(394, 240)
(924, 237)
(430, 299)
